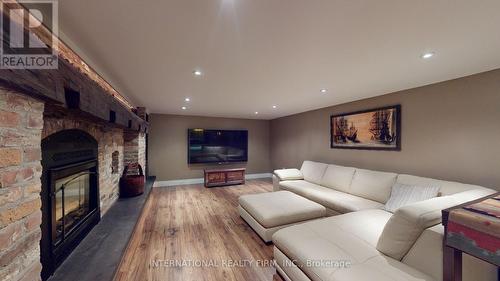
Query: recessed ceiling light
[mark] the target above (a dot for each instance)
(187, 99)
(197, 73)
(256, 112)
(275, 106)
(183, 108)
(428, 55)
(323, 91)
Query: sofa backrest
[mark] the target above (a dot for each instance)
(313, 171)
(373, 185)
(446, 187)
(338, 177)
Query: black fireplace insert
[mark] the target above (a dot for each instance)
(70, 194)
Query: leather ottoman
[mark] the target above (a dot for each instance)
(266, 213)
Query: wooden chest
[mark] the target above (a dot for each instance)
(221, 177)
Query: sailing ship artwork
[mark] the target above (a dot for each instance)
(377, 129)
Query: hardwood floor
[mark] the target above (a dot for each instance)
(195, 233)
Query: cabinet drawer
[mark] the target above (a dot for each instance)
(216, 177)
(232, 176)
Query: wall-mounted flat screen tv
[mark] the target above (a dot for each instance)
(217, 146)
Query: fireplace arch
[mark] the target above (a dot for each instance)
(70, 194)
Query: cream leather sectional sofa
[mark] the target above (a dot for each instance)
(362, 241)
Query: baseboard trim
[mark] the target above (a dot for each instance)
(258, 176)
(200, 180)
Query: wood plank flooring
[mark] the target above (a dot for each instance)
(195, 233)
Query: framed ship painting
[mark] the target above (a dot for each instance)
(374, 129)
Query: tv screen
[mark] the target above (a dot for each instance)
(217, 146)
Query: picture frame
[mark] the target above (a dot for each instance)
(372, 129)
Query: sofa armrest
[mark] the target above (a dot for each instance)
(276, 183)
(288, 174)
(408, 222)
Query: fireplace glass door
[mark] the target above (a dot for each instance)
(72, 194)
(74, 198)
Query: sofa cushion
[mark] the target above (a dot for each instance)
(380, 268)
(338, 177)
(366, 224)
(308, 190)
(325, 240)
(289, 174)
(332, 199)
(403, 194)
(345, 203)
(349, 237)
(273, 209)
(286, 268)
(372, 185)
(300, 187)
(313, 171)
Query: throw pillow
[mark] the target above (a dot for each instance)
(403, 194)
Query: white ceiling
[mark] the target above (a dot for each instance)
(259, 53)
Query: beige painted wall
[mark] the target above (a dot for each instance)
(450, 130)
(168, 145)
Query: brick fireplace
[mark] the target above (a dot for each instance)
(65, 136)
(70, 194)
(25, 220)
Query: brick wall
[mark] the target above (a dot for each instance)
(21, 121)
(135, 149)
(141, 151)
(108, 181)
